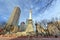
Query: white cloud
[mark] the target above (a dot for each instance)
(32, 6)
(37, 8)
(4, 17)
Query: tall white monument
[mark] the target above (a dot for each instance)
(30, 23)
(30, 15)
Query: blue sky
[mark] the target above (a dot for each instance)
(41, 9)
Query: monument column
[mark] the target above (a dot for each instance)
(30, 16)
(30, 23)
